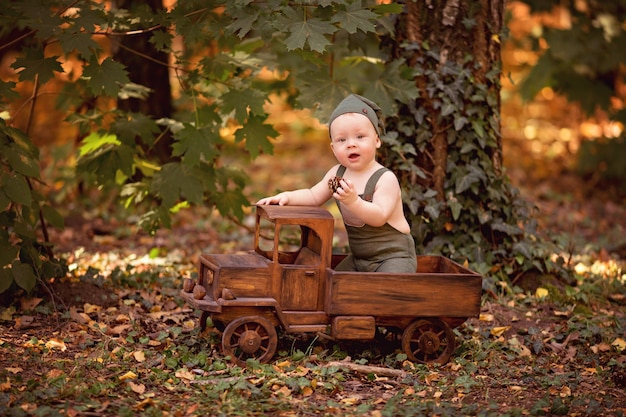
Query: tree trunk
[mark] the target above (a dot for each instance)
(147, 67)
(456, 30)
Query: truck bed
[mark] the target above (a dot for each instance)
(439, 288)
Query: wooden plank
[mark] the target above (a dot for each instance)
(353, 328)
(417, 295)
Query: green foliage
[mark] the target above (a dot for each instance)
(23, 258)
(482, 219)
(228, 45)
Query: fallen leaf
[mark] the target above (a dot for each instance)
(5, 386)
(139, 355)
(91, 308)
(541, 292)
(24, 322)
(619, 344)
(486, 317)
(498, 331)
(27, 304)
(184, 373)
(56, 344)
(128, 375)
(137, 388)
(14, 370)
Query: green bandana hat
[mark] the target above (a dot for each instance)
(355, 103)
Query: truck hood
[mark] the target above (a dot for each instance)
(238, 261)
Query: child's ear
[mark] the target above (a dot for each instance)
(379, 143)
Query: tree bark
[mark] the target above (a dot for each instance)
(453, 28)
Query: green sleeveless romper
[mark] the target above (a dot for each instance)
(377, 249)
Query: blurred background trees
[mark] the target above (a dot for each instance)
(162, 107)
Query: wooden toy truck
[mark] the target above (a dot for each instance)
(288, 281)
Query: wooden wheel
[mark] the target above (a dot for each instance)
(428, 341)
(252, 337)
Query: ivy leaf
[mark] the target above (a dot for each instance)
(256, 135)
(196, 144)
(464, 182)
(106, 78)
(34, 64)
(355, 17)
(173, 181)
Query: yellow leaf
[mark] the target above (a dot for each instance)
(565, 392)
(56, 344)
(307, 391)
(498, 331)
(541, 292)
(486, 317)
(185, 374)
(139, 355)
(91, 308)
(620, 344)
(128, 375)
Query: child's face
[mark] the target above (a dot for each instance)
(354, 140)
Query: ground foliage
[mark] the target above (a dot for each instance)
(116, 339)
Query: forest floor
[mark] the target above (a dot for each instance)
(117, 341)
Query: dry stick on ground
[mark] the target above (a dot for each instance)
(367, 369)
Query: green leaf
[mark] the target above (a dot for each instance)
(34, 64)
(106, 78)
(20, 161)
(242, 102)
(136, 125)
(464, 182)
(24, 275)
(17, 189)
(355, 17)
(81, 42)
(7, 91)
(6, 279)
(196, 144)
(311, 31)
(8, 252)
(174, 181)
(52, 216)
(256, 135)
(96, 142)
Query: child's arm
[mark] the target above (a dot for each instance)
(314, 196)
(384, 206)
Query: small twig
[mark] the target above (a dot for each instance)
(367, 369)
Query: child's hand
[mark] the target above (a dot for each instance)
(281, 199)
(346, 193)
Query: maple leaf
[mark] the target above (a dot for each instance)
(81, 42)
(34, 64)
(355, 17)
(256, 135)
(302, 31)
(106, 78)
(173, 181)
(242, 101)
(196, 144)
